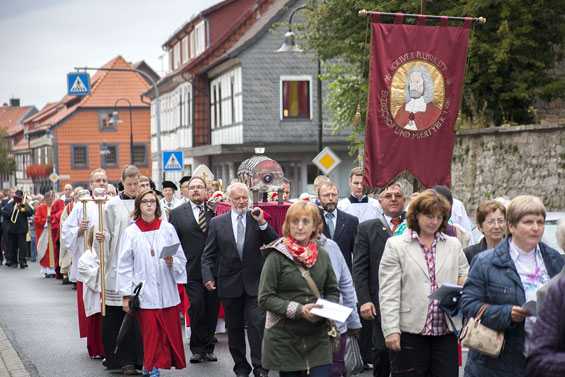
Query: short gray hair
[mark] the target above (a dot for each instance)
(234, 185)
(394, 184)
(560, 235)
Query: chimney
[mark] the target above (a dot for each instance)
(15, 102)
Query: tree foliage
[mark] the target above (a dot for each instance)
(7, 163)
(511, 57)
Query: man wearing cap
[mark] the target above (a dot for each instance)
(16, 230)
(191, 222)
(168, 202)
(184, 191)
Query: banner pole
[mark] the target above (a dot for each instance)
(365, 13)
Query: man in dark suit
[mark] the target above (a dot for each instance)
(369, 247)
(233, 242)
(191, 221)
(338, 225)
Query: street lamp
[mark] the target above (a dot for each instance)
(104, 151)
(289, 46)
(114, 120)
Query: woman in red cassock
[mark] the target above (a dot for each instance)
(140, 260)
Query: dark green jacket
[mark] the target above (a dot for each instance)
(291, 343)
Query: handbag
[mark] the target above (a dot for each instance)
(480, 338)
(353, 362)
(333, 329)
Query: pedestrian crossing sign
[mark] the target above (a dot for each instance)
(172, 160)
(78, 84)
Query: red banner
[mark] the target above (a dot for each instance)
(414, 95)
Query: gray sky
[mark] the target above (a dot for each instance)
(43, 40)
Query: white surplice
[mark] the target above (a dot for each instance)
(136, 264)
(69, 233)
(88, 265)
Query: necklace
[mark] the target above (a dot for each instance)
(150, 243)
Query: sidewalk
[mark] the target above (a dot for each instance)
(10, 363)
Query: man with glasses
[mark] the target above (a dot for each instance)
(191, 221)
(369, 247)
(358, 204)
(338, 225)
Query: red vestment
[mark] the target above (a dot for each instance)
(162, 338)
(51, 257)
(422, 120)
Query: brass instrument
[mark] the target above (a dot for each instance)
(19, 206)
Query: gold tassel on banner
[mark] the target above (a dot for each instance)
(357, 118)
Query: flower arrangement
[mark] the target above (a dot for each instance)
(218, 196)
(39, 170)
(273, 197)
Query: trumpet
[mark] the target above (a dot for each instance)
(19, 206)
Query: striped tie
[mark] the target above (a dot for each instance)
(202, 219)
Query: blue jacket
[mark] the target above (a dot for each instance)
(493, 279)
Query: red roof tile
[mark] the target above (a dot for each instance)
(107, 87)
(10, 116)
(22, 145)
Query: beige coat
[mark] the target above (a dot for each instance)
(405, 283)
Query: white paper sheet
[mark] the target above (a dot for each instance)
(332, 310)
(532, 307)
(169, 251)
(444, 290)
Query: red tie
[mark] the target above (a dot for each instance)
(395, 222)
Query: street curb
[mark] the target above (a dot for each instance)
(10, 363)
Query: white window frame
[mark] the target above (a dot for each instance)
(295, 78)
(176, 55)
(184, 49)
(221, 95)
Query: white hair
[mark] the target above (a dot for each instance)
(234, 185)
(428, 94)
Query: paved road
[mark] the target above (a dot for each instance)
(39, 318)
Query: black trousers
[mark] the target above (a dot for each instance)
(236, 310)
(381, 362)
(203, 314)
(16, 248)
(130, 352)
(423, 356)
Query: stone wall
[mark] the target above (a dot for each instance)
(509, 161)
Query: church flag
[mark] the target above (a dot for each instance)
(415, 82)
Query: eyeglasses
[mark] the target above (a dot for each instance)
(491, 222)
(192, 188)
(391, 196)
(151, 201)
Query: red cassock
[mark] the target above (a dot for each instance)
(51, 257)
(422, 120)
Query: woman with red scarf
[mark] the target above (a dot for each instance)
(140, 261)
(295, 339)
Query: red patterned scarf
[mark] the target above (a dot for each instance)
(307, 255)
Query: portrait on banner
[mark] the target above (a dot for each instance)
(417, 95)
